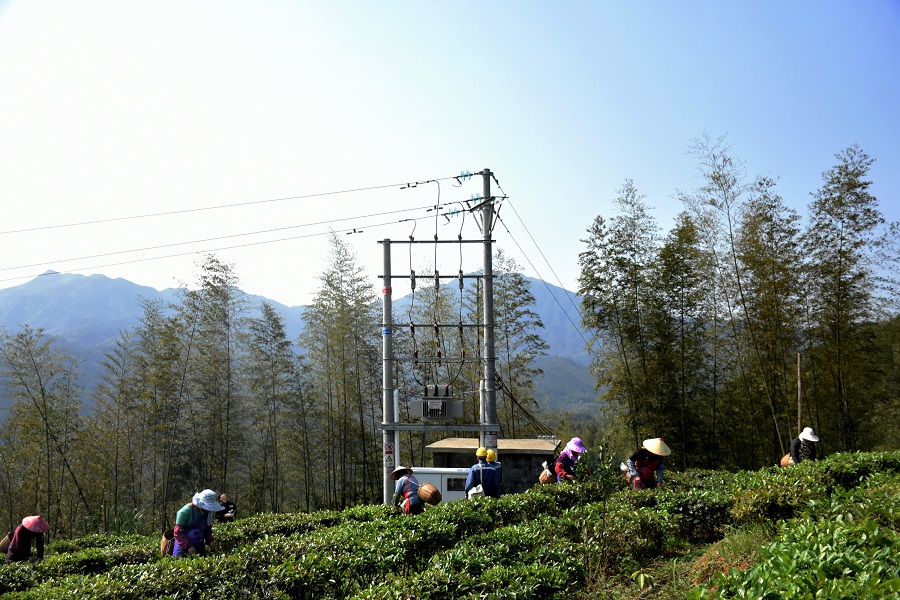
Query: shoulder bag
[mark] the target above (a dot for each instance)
(477, 490)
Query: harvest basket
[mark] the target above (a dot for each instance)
(429, 494)
(167, 543)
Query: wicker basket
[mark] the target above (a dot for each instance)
(167, 543)
(429, 494)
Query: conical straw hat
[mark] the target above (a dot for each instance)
(657, 446)
(399, 472)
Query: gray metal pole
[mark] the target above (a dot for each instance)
(390, 456)
(489, 439)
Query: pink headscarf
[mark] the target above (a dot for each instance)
(574, 448)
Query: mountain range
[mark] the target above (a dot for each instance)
(86, 313)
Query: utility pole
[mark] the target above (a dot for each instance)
(439, 417)
(387, 376)
(489, 439)
(799, 398)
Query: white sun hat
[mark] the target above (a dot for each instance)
(657, 446)
(207, 500)
(808, 435)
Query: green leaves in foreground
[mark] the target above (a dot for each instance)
(837, 523)
(840, 549)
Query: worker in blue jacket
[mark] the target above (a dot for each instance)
(497, 466)
(484, 475)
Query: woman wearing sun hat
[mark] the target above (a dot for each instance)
(406, 493)
(646, 465)
(31, 530)
(568, 459)
(193, 524)
(803, 447)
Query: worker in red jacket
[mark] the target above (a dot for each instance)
(568, 459)
(645, 467)
(30, 532)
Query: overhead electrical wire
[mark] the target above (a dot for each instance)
(224, 237)
(402, 186)
(194, 252)
(223, 206)
(537, 272)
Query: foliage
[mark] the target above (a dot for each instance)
(847, 555)
(554, 541)
(743, 324)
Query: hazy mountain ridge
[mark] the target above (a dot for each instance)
(87, 313)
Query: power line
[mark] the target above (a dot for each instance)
(212, 239)
(552, 295)
(404, 185)
(205, 251)
(536, 245)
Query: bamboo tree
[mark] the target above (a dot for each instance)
(839, 244)
(119, 441)
(166, 349)
(680, 276)
(271, 376)
(718, 204)
(615, 289)
(518, 344)
(218, 307)
(343, 357)
(41, 379)
(768, 250)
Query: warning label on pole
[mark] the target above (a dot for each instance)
(389, 448)
(389, 460)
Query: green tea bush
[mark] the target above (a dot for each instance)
(91, 561)
(841, 558)
(94, 560)
(704, 513)
(849, 469)
(774, 493)
(167, 578)
(16, 577)
(99, 540)
(777, 493)
(544, 543)
(612, 533)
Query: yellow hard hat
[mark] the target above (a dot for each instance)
(491, 455)
(481, 452)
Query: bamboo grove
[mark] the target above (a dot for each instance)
(745, 321)
(211, 393)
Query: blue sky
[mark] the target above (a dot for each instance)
(111, 110)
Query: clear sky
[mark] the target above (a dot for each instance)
(267, 110)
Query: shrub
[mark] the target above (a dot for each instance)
(831, 559)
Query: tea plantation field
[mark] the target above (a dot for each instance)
(828, 529)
